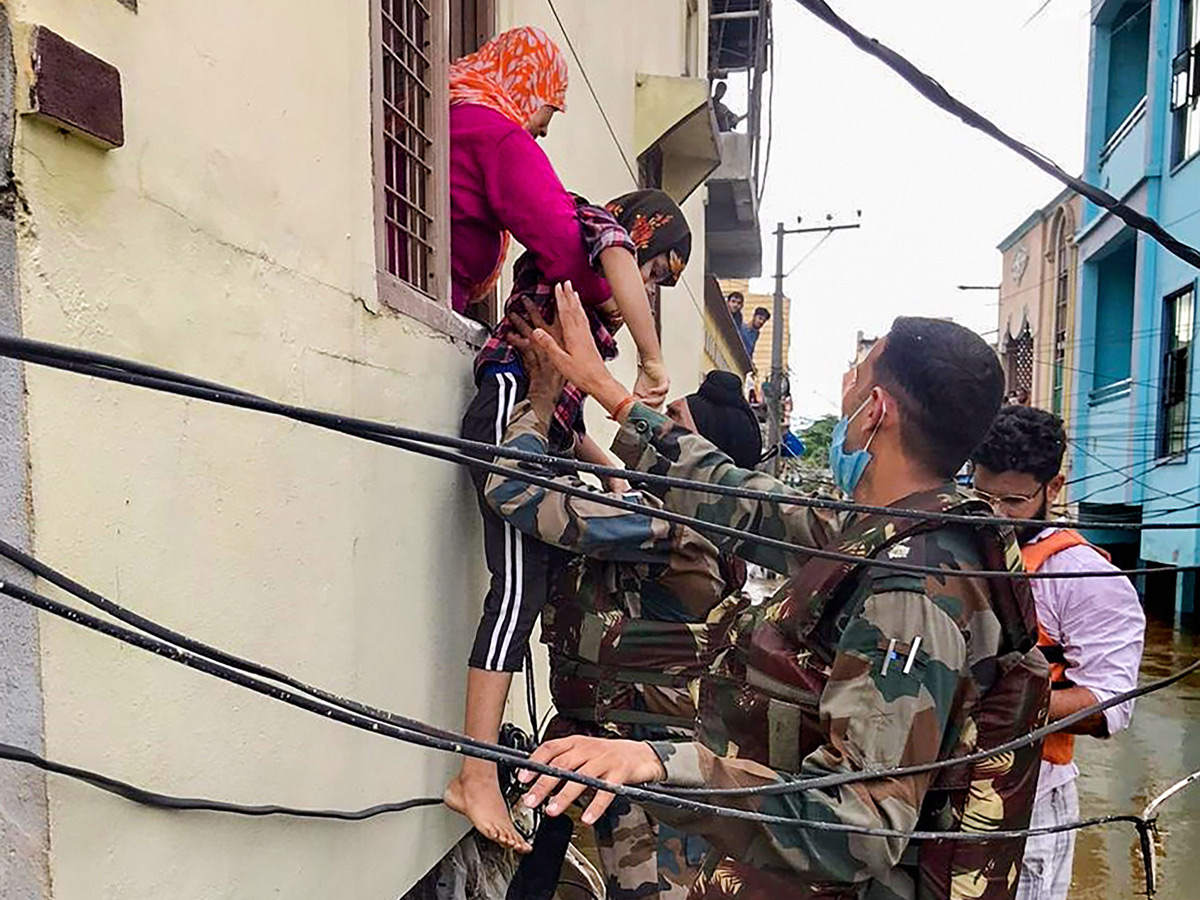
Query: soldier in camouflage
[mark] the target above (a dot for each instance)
(856, 667)
(625, 627)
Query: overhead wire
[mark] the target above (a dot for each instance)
(937, 94)
(420, 442)
(497, 754)
(183, 657)
(1037, 12)
(826, 782)
(146, 797)
(196, 387)
(592, 90)
(673, 797)
(92, 598)
(770, 50)
(817, 246)
(1131, 479)
(375, 719)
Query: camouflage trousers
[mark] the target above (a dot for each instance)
(644, 859)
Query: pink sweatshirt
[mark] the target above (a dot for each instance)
(501, 180)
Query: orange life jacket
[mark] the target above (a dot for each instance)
(1058, 748)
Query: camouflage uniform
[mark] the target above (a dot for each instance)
(627, 639)
(857, 668)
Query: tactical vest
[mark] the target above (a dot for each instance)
(618, 670)
(1059, 748)
(773, 663)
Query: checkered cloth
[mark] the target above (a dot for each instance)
(600, 232)
(1046, 867)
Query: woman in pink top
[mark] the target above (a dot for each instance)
(501, 184)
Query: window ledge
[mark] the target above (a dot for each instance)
(1183, 164)
(400, 297)
(1111, 392)
(1175, 459)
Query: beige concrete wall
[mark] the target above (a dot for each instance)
(232, 237)
(1031, 298)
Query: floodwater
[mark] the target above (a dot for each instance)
(1123, 774)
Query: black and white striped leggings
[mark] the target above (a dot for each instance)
(519, 565)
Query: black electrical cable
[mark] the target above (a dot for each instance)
(824, 782)
(673, 798)
(199, 804)
(640, 795)
(124, 371)
(498, 754)
(595, 97)
(381, 434)
(531, 703)
(931, 90)
(149, 626)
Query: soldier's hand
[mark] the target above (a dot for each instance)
(576, 355)
(614, 761)
(545, 381)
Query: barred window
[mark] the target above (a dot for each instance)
(1185, 85)
(1019, 358)
(412, 44)
(1062, 294)
(1178, 317)
(406, 81)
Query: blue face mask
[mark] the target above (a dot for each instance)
(848, 468)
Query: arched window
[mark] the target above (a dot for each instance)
(1062, 296)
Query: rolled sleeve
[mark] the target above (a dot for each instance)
(1101, 628)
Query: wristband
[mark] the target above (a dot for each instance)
(622, 407)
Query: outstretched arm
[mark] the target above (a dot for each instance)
(629, 293)
(650, 442)
(879, 711)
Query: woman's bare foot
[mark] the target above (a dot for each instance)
(475, 793)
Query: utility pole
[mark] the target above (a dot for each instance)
(775, 399)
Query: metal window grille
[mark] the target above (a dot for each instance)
(1178, 315)
(1185, 85)
(1020, 356)
(1061, 288)
(408, 180)
(472, 24)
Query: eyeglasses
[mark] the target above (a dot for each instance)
(1008, 501)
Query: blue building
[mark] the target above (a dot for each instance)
(1136, 440)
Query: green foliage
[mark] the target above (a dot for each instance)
(817, 438)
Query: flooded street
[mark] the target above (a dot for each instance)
(1122, 775)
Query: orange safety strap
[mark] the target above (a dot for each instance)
(1058, 748)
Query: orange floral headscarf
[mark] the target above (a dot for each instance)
(515, 73)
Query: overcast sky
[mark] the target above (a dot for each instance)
(937, 197)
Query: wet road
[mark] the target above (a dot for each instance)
(1123, 774)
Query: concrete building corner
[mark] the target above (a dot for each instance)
(24, 813)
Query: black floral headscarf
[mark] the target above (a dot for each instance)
(657, 226)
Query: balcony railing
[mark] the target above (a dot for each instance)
(1123, 131)
(1123, 156)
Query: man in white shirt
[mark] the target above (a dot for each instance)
(1091, 629)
